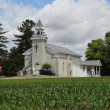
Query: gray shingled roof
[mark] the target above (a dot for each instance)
(63, 50)
(56, 49)
(92, 62)
(28, 52)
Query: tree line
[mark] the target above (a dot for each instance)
(13, 61)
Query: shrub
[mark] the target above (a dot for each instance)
(46, 66)
(46, 69)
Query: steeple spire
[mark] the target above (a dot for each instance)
(39, 31)
(39, 24)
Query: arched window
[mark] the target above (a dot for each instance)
(37, 63)
(63, 66)
(83, 68)
(36, 47)
(38, 32)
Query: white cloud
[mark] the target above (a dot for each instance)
(12, 16)
(68, 23)
(74, 24)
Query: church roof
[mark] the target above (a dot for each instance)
(28, 52)
(56, 49)
(92, 62)
(39, 24)
(64, 50)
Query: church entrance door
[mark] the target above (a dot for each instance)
(37, 69)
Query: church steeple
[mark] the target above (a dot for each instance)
(39, 31)
(39, 41)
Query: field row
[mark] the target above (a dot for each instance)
(55, 94)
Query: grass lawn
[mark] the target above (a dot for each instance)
(55, 94)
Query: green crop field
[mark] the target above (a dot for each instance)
(55, 94)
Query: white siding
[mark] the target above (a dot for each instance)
(78, 70)
(51, 60)
(62, 65)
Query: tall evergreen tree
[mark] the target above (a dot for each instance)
(23, 39)
(3, 51)
(3, 41)
(23, 42)
(15, 61)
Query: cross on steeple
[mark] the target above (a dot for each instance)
(36, 47)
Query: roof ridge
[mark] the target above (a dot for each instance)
(66, 51)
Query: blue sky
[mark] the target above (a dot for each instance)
(36, 3)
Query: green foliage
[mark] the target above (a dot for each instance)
(16, 62)
(46, 66)
(16, 59)
(95, 49)
(55, 94)
(47, 72)
(3, 51)
(46, 69)
(100, 50)
(107, 34)
(3, 41)
(24, 39)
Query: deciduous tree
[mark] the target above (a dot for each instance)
(99, 49)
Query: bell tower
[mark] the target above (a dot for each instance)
(39, 40)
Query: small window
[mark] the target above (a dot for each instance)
(71, 72)
(83, 68)
(38, 33)
(37, 63)
(26, 57)
(69, 64)
(36, 47)
(63, 66)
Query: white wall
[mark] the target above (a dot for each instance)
(62, 69)
(78, 70)
(51, 60)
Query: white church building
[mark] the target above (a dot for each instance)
(64, 62)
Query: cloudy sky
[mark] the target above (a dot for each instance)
(69, 23)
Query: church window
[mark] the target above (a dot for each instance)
(70, 72)
(63, 66)
(37, 63)
(26, 57)
(69, 65)
(36, 47)
(38, 32)
(83, 68)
